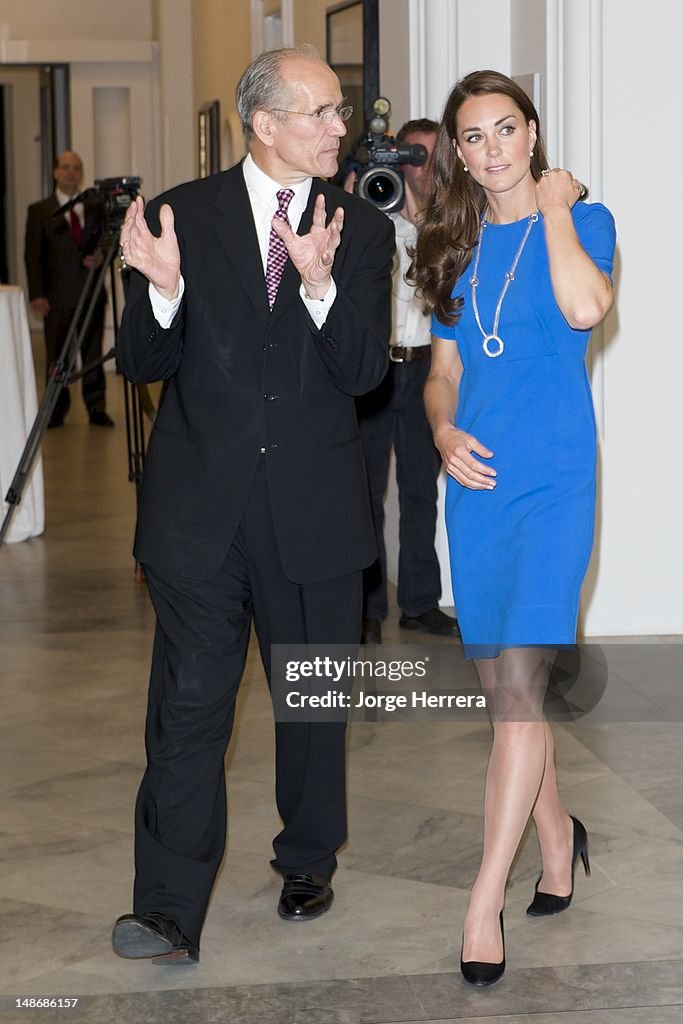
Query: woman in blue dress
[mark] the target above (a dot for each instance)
(516, 271)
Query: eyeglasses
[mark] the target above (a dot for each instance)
(325, 116)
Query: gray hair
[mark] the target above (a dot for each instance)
(261, 87)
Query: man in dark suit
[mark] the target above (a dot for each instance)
(60, 249)
(265, 318)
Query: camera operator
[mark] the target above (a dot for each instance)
(394, 414)
(60, 248)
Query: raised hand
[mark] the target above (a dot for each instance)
(157, 258)
(313, 254)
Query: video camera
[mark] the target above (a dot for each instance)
(113, 196)
(377, 160)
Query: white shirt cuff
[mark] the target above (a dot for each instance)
(319, 308)
(165, 309)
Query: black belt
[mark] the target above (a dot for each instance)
(403, 354)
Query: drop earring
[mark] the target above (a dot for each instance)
(531, 152)
(465, 167)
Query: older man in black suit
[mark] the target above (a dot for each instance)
(265, 305)
(58, 254)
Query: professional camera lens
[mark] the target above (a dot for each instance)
(383, 187)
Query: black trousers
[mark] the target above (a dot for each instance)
(199, 654)
(57, 324)
(394, 414)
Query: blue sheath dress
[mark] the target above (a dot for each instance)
(519, 553)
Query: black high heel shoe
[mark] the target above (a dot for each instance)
(546, 903)
(481, 974)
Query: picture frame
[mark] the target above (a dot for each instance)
(209, 139)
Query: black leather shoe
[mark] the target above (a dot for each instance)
(101, 419)
(544, 904)
(481, 974)
(154, 937)
(304, 897)
(372, 632)
(433, 621)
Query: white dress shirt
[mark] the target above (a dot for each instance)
(262, 192)
(63, 198)
(410, 326)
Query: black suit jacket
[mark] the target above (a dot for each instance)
(54, 262)
(242, 379)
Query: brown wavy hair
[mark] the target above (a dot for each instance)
(449, 230)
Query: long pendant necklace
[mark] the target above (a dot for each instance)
(509, 278)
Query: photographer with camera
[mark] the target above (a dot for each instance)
(60, 249)
(394, 413)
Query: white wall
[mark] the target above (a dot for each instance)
(133, 124)
(640, 554)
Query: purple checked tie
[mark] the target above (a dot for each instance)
(277, 253)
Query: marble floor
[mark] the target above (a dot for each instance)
(75, 637)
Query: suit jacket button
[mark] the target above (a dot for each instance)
(270, 398)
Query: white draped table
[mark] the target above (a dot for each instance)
(18, 408)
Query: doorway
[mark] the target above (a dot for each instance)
(34, 127)
(4, 268)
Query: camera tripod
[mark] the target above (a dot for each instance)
(137, 402)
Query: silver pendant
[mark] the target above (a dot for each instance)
(487, 350)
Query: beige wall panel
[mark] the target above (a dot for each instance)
(221, 41)
(77, 19)
(309, 22)
(173, 28)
